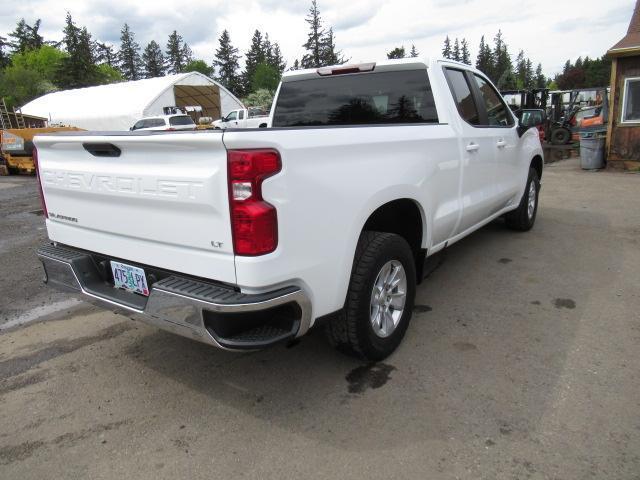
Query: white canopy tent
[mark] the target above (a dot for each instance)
(119, 105)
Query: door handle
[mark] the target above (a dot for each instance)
(472, 147)
(501, 144)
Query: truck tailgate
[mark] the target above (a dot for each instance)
(162, 201)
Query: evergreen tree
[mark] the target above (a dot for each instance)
(105, 54)
(178, 53)
(484, 62)
(129, 55)
(520, 70)
(4, 54)
(540, 81)
(226, 63)
(529, 79)
(26, 37)
(397, 52)
(254, 56)
(35, 39)
(503, 75)
(153, 60)
(267, 48)
(187, 54)
(78, 69)
(296, 65)
(413, 53)
(329, 55)
(456, 51)
(465, 55)
(446, 50)
(314, 43)
(277, 59)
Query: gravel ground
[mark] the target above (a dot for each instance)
(521, 363)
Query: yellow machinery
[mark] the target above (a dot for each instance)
(17, 148)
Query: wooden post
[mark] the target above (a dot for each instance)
(612, 104)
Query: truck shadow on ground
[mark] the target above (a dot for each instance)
(481, 360)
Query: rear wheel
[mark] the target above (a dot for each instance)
(523, 217)
(560, 136)
(380, 298)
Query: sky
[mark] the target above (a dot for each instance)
(549, 31)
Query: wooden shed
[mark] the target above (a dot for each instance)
(623, 134)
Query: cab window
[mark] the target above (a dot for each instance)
(461, 92)
(231, 116)
(241, 115)
(498, 113)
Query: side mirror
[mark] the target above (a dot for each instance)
(528, 118)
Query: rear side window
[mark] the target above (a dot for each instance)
(360, 99)
(462, 96)
(181, 120)
(241, 115)
(154, 122)
(497, 112)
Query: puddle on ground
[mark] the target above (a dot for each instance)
(372, 375)
(564, 303)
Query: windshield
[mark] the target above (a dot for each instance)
(181, 120)
(365, 98)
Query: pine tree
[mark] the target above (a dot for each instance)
(329, 55)
(277, 59)
(129, 55)
(105, 54)
(397, 52)
(296, 65)
(484, 62)
(414, 53)
(529, 78)
(541, 81)
(26, 37)
(254, 57)
(35, 39)
(153, 60)
(226, 63)
(187, 54)
(446, 50)
(456, 51)
(78, 69)
(520, 70)
(4, 54)
(465, 56)
(503, 75)
(178, 53)
(267, 48)
(314, 43)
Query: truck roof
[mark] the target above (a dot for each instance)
(384, 65)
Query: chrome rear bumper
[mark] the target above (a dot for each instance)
(213, 314)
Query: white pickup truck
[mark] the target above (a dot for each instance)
(245, 238)
(251, 117)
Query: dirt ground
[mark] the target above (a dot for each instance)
(522, 362)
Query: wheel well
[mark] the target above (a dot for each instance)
(536, 164)
(403, 218)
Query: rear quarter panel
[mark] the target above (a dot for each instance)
(332, 179)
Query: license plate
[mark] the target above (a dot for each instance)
(129, 278)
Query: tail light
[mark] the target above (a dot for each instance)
(254, 222)
(39, 177)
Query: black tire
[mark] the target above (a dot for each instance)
(351, 330)
(519, 219)
(560, 136)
